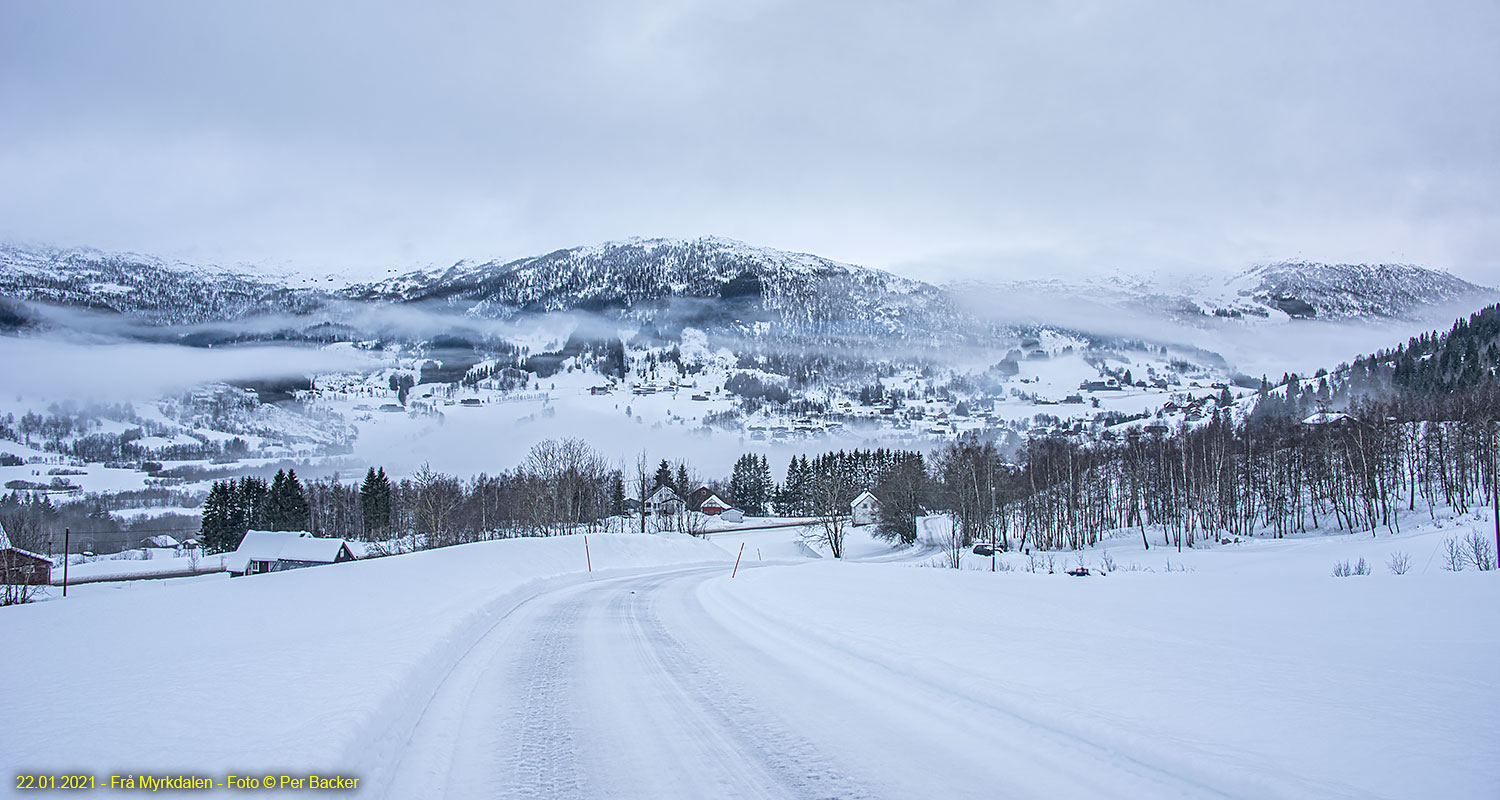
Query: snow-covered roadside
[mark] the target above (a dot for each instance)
(321, 670)
(1269, 685)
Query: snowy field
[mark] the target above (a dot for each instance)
(505, 669)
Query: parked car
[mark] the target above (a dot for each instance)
(983, 550)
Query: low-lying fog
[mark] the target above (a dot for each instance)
(53, 367)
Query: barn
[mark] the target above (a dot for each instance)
(22, 567)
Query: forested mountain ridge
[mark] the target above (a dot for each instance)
(1439, 363)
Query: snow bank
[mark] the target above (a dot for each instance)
(322, 670)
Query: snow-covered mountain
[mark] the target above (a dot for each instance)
(719, 284)
(739, 282)
(1281, 291)
(144, 287)
(1345, 291)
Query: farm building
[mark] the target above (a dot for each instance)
(22, 567)
(713, 506)
(865, 509)
(278, 551)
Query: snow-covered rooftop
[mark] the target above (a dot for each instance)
(289, 545)
(5, 544)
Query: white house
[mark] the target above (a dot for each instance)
(865, 509)
(664, 501)
(277, 551)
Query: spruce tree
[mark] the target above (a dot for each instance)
(219, 530)
(273, 515)
(250, 500)
(294, 508)
(617, 494)
(370, 504)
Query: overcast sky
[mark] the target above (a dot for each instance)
(935, 139)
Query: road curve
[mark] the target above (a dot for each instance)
(635, 687)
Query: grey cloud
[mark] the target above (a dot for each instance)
(939, 139)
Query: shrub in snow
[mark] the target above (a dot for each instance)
(1454, 556)
(1478, 551)
(1343, 570)
(1399, 563)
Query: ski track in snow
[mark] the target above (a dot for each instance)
(665, 685)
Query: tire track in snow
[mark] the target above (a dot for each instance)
(757, 754)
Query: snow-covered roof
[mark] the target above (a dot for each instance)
(1327, 417)
(275, 545)
(312, 549)
(662, 495)
(864, 497)
(6, 545)
(714, 500)
(161, 540)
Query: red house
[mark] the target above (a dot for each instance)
(713, 506)
(22, 567)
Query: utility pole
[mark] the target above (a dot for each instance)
(65, 561)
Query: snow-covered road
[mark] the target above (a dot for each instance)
(657, 686)
(616, 688)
